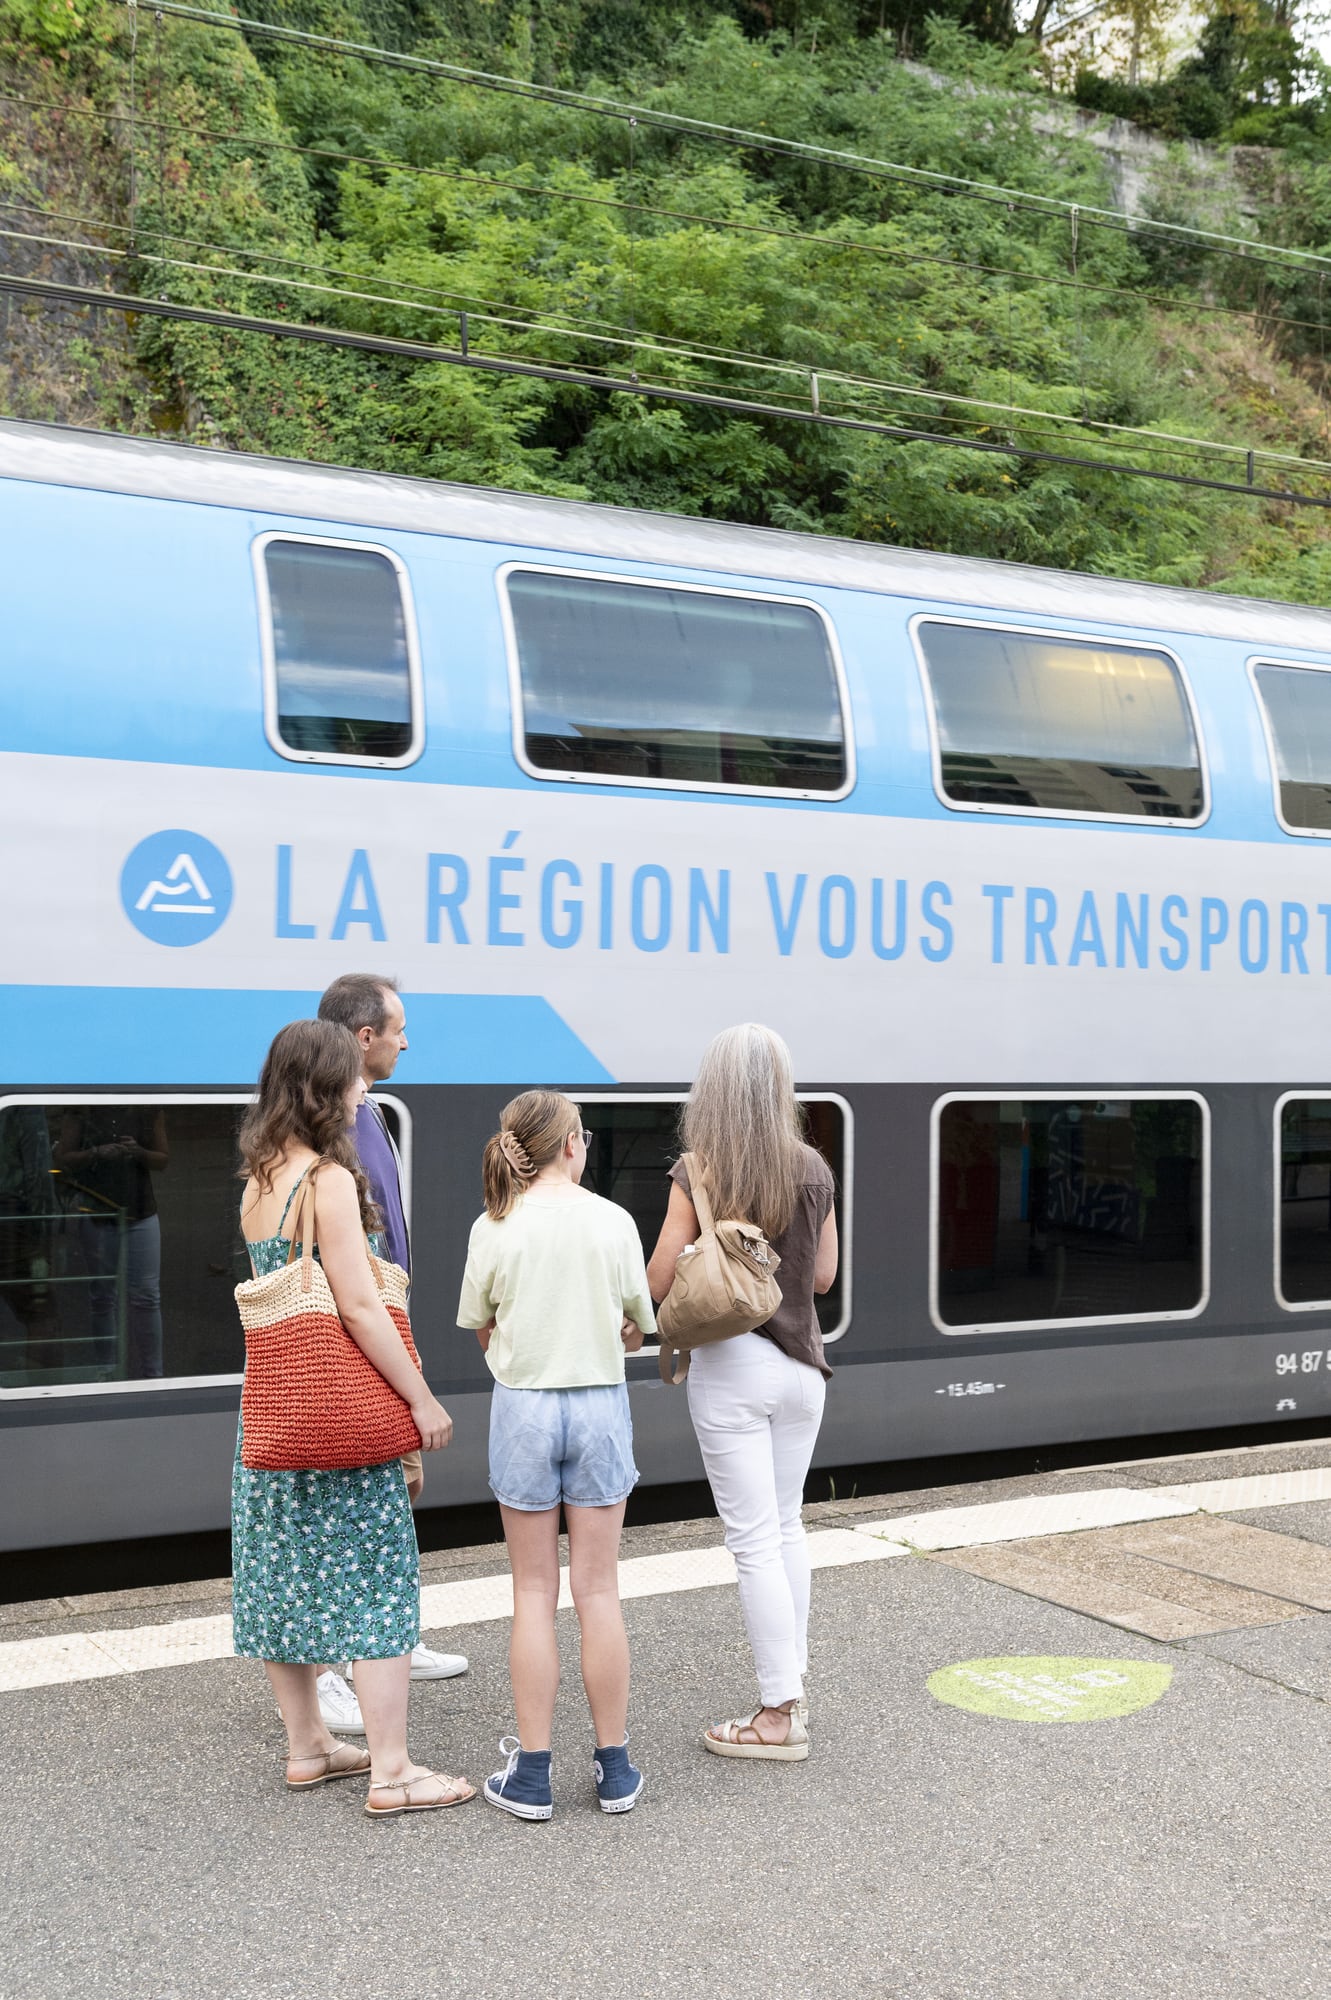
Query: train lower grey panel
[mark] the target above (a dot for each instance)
(967, 1402)
(115, 1480)
(125, 1479)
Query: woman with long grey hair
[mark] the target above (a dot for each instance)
(757, 1400)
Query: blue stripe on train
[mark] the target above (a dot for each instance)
(145, 1035)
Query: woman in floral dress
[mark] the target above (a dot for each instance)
(324, 1563)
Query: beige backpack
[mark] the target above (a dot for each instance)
(724, 1284)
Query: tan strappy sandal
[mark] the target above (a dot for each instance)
(457, 1792)
(356, 1765)
(739, 1738)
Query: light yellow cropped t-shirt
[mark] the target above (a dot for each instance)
(557, 1278)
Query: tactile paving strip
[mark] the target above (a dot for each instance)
(1251, 1558)
(1094, 1574)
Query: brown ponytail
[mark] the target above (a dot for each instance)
(532, 1132)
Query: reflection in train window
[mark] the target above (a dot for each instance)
(1068, 1209)
(340, 652)
(1035, 722)
(661, 685)
(1304, 1271)
(1297, 701)
(635, 1142)
(120, 1242)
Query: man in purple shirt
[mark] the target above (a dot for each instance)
(372, 1008)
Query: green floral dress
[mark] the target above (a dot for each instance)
(324, 1564)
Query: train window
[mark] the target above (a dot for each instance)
(1296, 703)
(635, 1140)
(1038, 722)
(343, 678)
(1054, 1209)
(655, 684)
(1303, 1169)
(120, 1242)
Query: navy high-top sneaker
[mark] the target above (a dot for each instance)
(618, 1782)
(523, 1786)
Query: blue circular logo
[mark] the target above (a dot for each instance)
(176, 887)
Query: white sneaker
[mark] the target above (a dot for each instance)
(338, 1706)
(430, 1666)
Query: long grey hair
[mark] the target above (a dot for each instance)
(745, 1126)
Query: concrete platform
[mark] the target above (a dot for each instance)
(925, 1852)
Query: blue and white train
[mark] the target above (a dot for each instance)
(1030, 869)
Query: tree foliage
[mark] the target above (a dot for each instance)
(1256, 79)
(287, 182)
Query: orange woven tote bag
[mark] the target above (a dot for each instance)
(311, 1401)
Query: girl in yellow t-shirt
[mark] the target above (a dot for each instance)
(556, 1291)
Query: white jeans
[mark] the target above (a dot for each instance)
(756, 1413)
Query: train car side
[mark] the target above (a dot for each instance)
(592, 785)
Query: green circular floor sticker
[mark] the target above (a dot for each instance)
(1034, 1690)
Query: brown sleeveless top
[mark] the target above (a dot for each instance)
(794, 1326)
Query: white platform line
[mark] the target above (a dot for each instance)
(1105, 1507)
(1020, 1520)
(1258, 1489)
(82, 1656)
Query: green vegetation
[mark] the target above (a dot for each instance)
(1253, 80)
(302, 185)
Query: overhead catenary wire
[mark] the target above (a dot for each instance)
(827, 244)
(505, 311)
(1012, 198)
(897, 253)
(1163, 444)
(809, 373)
(86, 295)
(457, 299)
(559, 370)
(740, 138)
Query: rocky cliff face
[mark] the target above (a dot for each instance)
(63, 183)
(1209, 187)
(1182, 180)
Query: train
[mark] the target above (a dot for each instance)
(1029, 868)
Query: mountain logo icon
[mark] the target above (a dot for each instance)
(170, 897)
(175, 887)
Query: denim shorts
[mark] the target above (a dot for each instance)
(548, 1445)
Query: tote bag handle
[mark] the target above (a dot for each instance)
(303, 1233)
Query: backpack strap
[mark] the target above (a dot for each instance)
(698, 1195)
